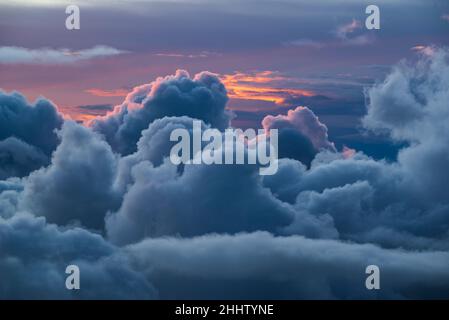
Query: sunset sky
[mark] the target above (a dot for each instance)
(357, 118)
(271, 55)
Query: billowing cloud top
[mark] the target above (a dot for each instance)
(27, 136)
(201, 97)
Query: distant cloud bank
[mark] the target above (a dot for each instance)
(49, 56)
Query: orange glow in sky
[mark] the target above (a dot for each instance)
(260, 86)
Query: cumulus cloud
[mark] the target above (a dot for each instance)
(27, 134)
(202, 97)
(301, 134)
(34, 256)
(200, 198)
(47, 56)
(9, 197)
(392, 204)
(18, 159)
(324, 218)
(203, 199)
(153, 146)
(77, 186)
(411, 106)
(32, 123)
(411, 99)
(352, 198)
(260, 266)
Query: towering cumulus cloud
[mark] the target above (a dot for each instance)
(77, 186)
(202, 97)
(110, 200)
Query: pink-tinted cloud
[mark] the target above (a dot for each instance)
(107, 93)
(202, 54)
(344, 30)
(306, 122)
(347, 152)
(347, 34)
(426, 50)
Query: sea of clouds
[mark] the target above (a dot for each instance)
(104, 196)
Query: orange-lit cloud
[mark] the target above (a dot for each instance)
(108, 93)
(347, 152)
(262, 86)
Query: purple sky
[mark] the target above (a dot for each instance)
(268, 52)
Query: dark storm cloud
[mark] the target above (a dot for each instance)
(27, 135)
(34, 256)
(162, 202)
(301, 134)
(32, 123)
(9, 197)
(260, 266)
(203, 97)
(77, 186)
(18, 159)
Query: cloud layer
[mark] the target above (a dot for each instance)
(49, 56)
(140, 227)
